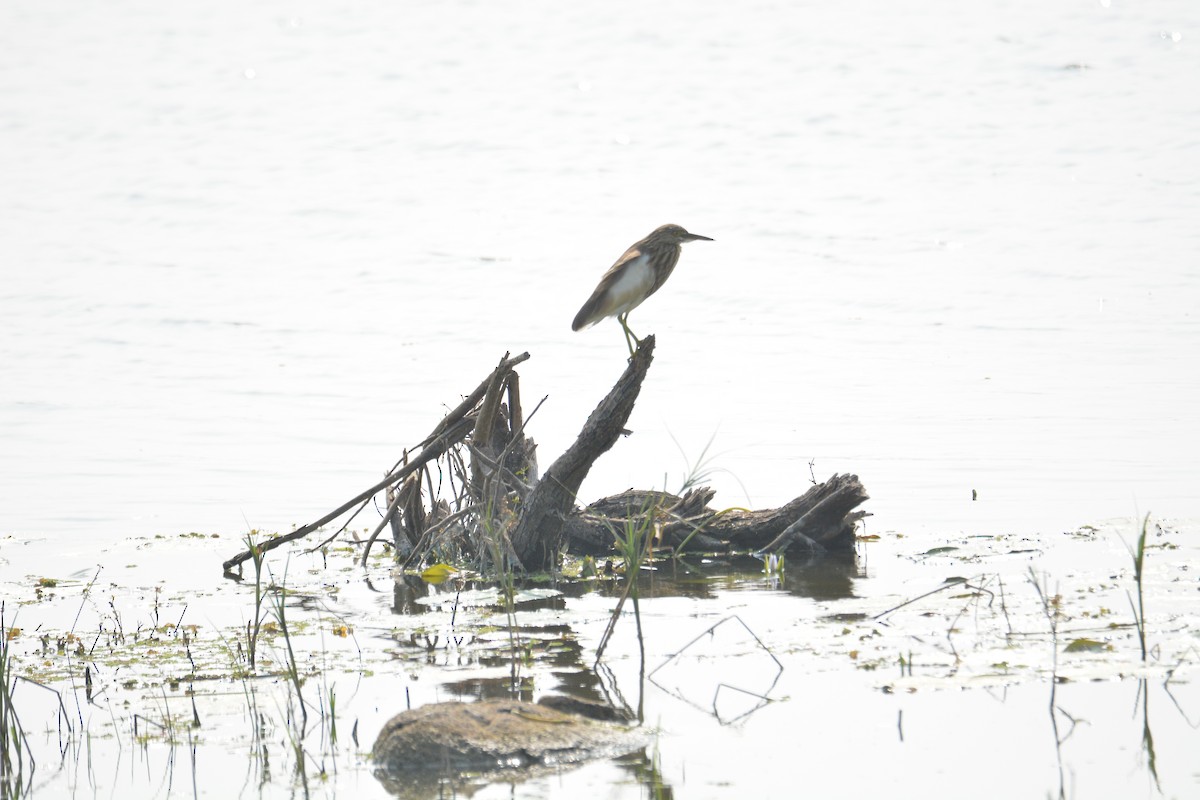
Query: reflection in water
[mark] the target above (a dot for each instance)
(826, 577)
(1052, 609)
(425, 785)
(406, 590)
(1059, 737)
(483, 688)
(473, 639)
(730, 691)
(648, 773)
(726, 671)
(1143, 694)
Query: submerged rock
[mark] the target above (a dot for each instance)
(496, 735)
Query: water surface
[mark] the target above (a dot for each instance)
(250, 253)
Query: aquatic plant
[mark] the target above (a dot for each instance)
(254, 626)
(1138, 555)
(15, 754)
(634, 543)
(290, 669)
(498, 549)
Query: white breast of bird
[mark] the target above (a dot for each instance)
(630, 288)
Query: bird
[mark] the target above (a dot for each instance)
(639, 272)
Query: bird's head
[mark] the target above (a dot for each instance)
(675, 234)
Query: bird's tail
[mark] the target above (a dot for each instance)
(588, 315)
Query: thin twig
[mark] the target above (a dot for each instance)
(949, 582)
(435, 449)
(433, 446)
(340, 530)
(444, 522)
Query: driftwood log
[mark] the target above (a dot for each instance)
(470, 491)
(821, 519)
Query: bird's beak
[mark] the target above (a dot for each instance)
(691, 237)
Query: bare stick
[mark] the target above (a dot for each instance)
(401, 496)
(340, 530)
(537, 536)
(949, 583)
(474, 397)
(438, 442)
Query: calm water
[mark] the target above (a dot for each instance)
(250, 253)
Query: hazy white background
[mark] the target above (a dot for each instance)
(249, 252)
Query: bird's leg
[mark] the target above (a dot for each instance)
(630, 336)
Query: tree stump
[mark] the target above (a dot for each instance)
(470, 491)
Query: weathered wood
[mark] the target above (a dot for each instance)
(823, 516)
(488, 428)
(501, 513)
(401, 538)
(448, 432)
(537, 536)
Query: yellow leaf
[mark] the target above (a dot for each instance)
(1087, 646)
(438, 573)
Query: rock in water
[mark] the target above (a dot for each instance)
(496, 734)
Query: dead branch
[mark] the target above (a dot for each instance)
(451, 430)
(537, 537)
(824, 514)
(498, 509)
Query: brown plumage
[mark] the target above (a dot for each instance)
(639, 272)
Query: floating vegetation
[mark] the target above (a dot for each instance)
(167, 666)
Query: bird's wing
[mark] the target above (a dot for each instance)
(631, 254)
(626, 284)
